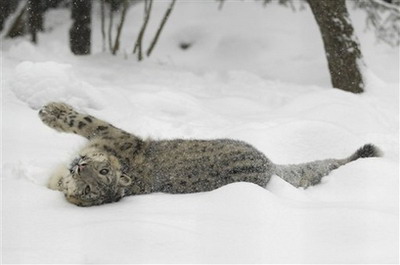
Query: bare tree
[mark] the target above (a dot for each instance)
(139, 41)
(80, 32)
(103, 27)
(121, 24)
(110, 26)
(160, 28)
(341, 46)
(35, 18)
(7, 7)
(342, 49)
(383, 17)
(17, 27)
(23, 17)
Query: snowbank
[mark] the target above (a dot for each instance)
(42, 82)
(253, 74)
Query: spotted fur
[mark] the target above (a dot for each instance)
(115, 163)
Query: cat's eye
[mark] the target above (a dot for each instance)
(104, 171)
(87, 190)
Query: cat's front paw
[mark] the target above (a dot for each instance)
(55, 109)
(54, 114)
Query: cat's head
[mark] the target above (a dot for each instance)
(95, 178)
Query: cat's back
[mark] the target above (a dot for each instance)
(212, 162)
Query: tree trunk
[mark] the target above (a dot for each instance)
(110, 26)
(119, 30)
(103, 25)
(6, 8)
(17, 27)
(80, 32)
(160, 28)
(341, 46)
(35, 18)
(139, 42)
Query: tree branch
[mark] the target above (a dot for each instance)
(160, 28)
(139, 41)
(17, 26)
(103, 30)
(386, 5)
(121, 24)
(110, 25)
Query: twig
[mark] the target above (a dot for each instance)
(386, 5)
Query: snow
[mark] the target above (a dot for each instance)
(39, 83)
(253, 74)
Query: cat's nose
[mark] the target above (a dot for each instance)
(78, 167)
(82, 162)
(81, 165)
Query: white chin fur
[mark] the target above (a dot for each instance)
(54, 180)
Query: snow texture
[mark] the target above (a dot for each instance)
(250, 73)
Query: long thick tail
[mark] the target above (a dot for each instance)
(309, 174)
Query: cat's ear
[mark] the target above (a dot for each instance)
(124, 180)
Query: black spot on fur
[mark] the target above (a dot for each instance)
(111, 151)
(138, 146)
(102, 128)
(71, 123)
(88, 119)
(81, 125)
(126, 146)
(107, 148)
(183, 183)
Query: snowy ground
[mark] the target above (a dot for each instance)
(253, 74)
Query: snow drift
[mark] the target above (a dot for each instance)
(265, 83)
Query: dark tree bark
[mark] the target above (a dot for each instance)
(80, 32)
(17, 27)
(120, 26)
(103, 25)
(110, 26)
(139, 42)
(6, 8)
(35, 18)
(341, 46)
(114, 4)
(160, 28)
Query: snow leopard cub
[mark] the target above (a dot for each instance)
(115, 163)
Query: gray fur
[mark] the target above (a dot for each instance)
(115, 163)
(309, 174)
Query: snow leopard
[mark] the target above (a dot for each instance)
(115, 163)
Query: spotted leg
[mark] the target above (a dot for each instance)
(64, 118)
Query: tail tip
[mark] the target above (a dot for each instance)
(368, 150)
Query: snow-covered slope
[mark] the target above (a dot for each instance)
(253, 74)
